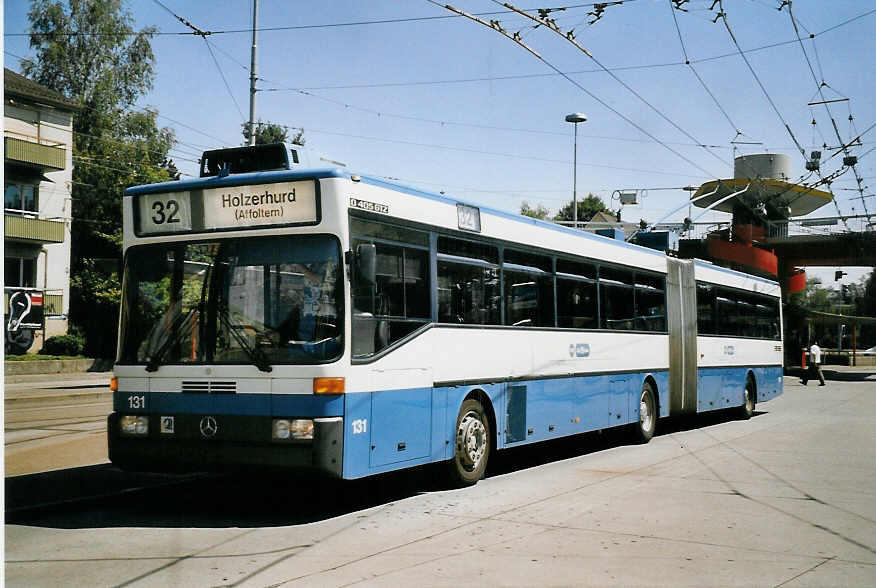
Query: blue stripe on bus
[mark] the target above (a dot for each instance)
(416, 426)
(551, 407)
(292, 405)
(723, 387)
(395, 429)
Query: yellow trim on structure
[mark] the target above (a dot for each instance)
(784, 186)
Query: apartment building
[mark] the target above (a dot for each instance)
(37, 179)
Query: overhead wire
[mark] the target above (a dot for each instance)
(722, 15)
(823, 99)
(381, 113)
(204, 34)
(583, 89)
(687, 61)
(550, 25)
(140, 109)
(298, 27)
(500, 154)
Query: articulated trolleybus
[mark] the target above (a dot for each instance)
(335, 322)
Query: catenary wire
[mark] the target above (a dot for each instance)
(733, 125)
(823, 99)
(572, 40)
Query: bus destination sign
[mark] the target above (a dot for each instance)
(255, 206)
(232, 207)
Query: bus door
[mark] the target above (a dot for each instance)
(681, 312)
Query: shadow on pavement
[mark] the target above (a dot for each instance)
(844, 374)
(104, 496)
(848, 376)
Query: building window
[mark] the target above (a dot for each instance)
(19, 272)
(20, 196)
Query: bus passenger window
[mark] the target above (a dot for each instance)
(529, 299)
(397, 304)
(468, 294)
(576, 304)
(616, 299)
(727, 313)
(650, 303)
(529, 289)
(706, 310)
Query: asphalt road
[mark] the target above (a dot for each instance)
(55, 422)
(786, 499)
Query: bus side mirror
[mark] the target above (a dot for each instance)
(366, 264)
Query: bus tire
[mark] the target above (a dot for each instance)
(472, 444)
(746, 411)
(647, 424)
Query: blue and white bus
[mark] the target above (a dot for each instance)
(325, 320)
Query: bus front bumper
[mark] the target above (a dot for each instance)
(195, 443)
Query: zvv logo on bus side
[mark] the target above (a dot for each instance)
(579, 350)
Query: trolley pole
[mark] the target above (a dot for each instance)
(252, 73)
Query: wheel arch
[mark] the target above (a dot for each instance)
(481, 396)
(750, 377)
(650, 379)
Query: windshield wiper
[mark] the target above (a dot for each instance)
(255, 354)
(178, 325)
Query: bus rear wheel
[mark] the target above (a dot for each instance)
(472, 443)
(647, 424)
(746, 411)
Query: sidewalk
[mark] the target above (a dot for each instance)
(13, 385)
(54, 367)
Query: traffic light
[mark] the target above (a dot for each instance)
(838, 275)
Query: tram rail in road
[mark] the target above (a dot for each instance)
(783, 499)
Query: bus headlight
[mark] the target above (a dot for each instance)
(134, 425)
(291, 429)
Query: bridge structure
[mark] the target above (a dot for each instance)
(766, 210)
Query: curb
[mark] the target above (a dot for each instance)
(55, 366)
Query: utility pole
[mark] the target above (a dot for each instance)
(252, 73)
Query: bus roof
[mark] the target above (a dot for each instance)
(322, 173)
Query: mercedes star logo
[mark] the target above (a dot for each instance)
(208, 427)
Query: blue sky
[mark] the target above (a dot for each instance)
(448, 104)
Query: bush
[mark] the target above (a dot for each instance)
(63, 345)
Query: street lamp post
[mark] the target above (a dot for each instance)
(575, 117)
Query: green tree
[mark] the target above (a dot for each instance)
(587, 207)
(539, 211)
(817, 297)
(271, 133)
(865, 303)
(89, 51)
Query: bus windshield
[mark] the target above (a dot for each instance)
(262, 301)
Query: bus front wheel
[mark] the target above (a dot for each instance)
(644, 429)
(472, 442)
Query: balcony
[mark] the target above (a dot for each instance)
(37, 230)
(47, 158)
(52, 300)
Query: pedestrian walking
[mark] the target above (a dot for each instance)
(814, 370)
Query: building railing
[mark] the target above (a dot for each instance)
(27, 228)
(47, 157)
